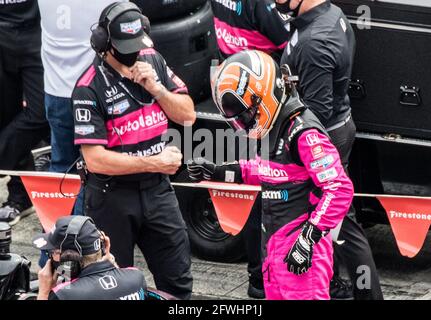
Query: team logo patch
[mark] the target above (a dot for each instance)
(131, 27)
(318, 151)
(242, 83)
(82, 115)
(322, 163)
(84, 130)
(119, 107)
(327, 175)
(312, 139)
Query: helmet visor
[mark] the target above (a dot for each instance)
(246, 120)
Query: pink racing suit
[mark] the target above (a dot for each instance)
(302, 181)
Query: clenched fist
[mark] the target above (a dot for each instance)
(144, 74)
(169, 160)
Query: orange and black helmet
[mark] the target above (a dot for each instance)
(249, 90)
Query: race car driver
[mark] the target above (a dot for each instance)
(305, 190)
(121, 109)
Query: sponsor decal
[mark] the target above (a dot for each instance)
(40, 242)
(298, 257)
(343, 24)
(332, 186)
(230, 38)
(96, 244)
(232, 194)
(312, 139)
(142, 122)
(131, 27)
(410, 215)
(327, 175)
(231, 5)
(267, 171)
(229, 176)
(323, 209)
(12, 1)
(242, 83)
(111, 92)
(318, 151)
(138, 295)
(108, 282)
(276, 195)
(322, 162)
(155, 149)
(295, 131)
(82, 115)
(116, 97)
(174, 78)
(84, 130)
(84, 102)
(280, 147)
(119, 107)
(50, 195)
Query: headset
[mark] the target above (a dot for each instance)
(100, 36)
(72, 265)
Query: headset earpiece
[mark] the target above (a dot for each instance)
(99, 40)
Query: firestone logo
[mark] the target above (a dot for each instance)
(410, 215)
(50, 195)
(230, 194)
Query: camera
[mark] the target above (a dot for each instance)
(14, 270)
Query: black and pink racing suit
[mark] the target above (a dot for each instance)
(302, 181)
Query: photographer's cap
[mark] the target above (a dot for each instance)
(129, 32)
(87, 239)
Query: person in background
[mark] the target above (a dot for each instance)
(249, 24)
(22, 124)
(66, 53)
(321, 50)
(122, 103)
(241, 25)
(94, 273)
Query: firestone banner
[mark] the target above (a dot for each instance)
(53, 194)
(410, 220)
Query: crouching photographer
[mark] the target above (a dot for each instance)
(77, 245)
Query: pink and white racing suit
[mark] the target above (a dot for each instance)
(303, 180)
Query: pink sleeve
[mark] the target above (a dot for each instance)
(322, 161)
(249, 171)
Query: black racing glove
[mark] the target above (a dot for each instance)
(200, 169)
(299, 258)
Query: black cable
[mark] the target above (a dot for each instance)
(64, 177)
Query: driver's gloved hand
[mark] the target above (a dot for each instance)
(299, 258)
(200, 169)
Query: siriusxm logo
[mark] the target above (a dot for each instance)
(232, 5)
(139, 295)
(276, 195)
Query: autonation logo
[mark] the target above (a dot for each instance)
(276, 195)
(232, 5)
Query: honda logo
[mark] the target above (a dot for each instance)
(111, 92)
(312, 139)
(108, 282)
(83, 115)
